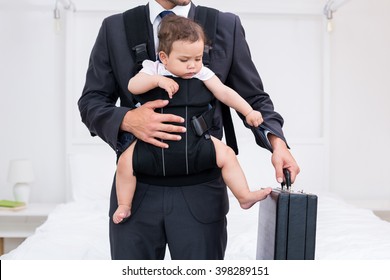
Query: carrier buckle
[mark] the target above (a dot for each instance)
(141, 54)
(199, 124)
(206, 55)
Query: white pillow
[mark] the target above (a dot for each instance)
(91, 176)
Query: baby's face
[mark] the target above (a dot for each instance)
(185, 59)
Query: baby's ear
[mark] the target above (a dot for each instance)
(163, 57)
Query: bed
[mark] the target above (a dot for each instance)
(78, 229)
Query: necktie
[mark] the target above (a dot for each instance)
(164, 13)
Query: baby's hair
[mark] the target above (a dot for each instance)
(177, 28)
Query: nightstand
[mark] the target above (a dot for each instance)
(22, 223)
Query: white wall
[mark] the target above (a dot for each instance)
(32, 97)
(32, 111)
(360, 102)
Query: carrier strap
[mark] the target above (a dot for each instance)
(137, 34)
(208, 18)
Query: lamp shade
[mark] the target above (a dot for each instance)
(20, 171)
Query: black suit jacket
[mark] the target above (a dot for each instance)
(111, 64)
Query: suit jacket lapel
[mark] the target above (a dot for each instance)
(191, 13)
(151, 49)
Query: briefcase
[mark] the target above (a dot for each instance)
(287, 225)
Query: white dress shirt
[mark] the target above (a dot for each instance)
(155, 9)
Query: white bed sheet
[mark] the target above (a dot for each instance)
(79, 230)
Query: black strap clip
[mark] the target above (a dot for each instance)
(141, 54)
(199, 124)
(206, 55)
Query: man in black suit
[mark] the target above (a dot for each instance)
(189, 215)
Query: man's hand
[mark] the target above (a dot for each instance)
(282, 158)
(151, 127)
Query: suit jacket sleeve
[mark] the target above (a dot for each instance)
(104, 86)
(243, 76)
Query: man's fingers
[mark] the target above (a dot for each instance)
(170, 118)
(279, 174)
(166, 136)
(171, 128)
(164, 118)
(294, 173)
(160, 137)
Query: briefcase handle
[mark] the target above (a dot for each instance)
(287, 181)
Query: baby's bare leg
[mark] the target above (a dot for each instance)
(125, 184)
(234, 177)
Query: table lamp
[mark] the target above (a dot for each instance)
(20, 174)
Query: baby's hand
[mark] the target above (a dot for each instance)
(254, 118)
(170, 86)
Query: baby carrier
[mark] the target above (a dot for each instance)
(194, 154)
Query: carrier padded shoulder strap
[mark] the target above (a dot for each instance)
(137, 34)
(208, 19)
